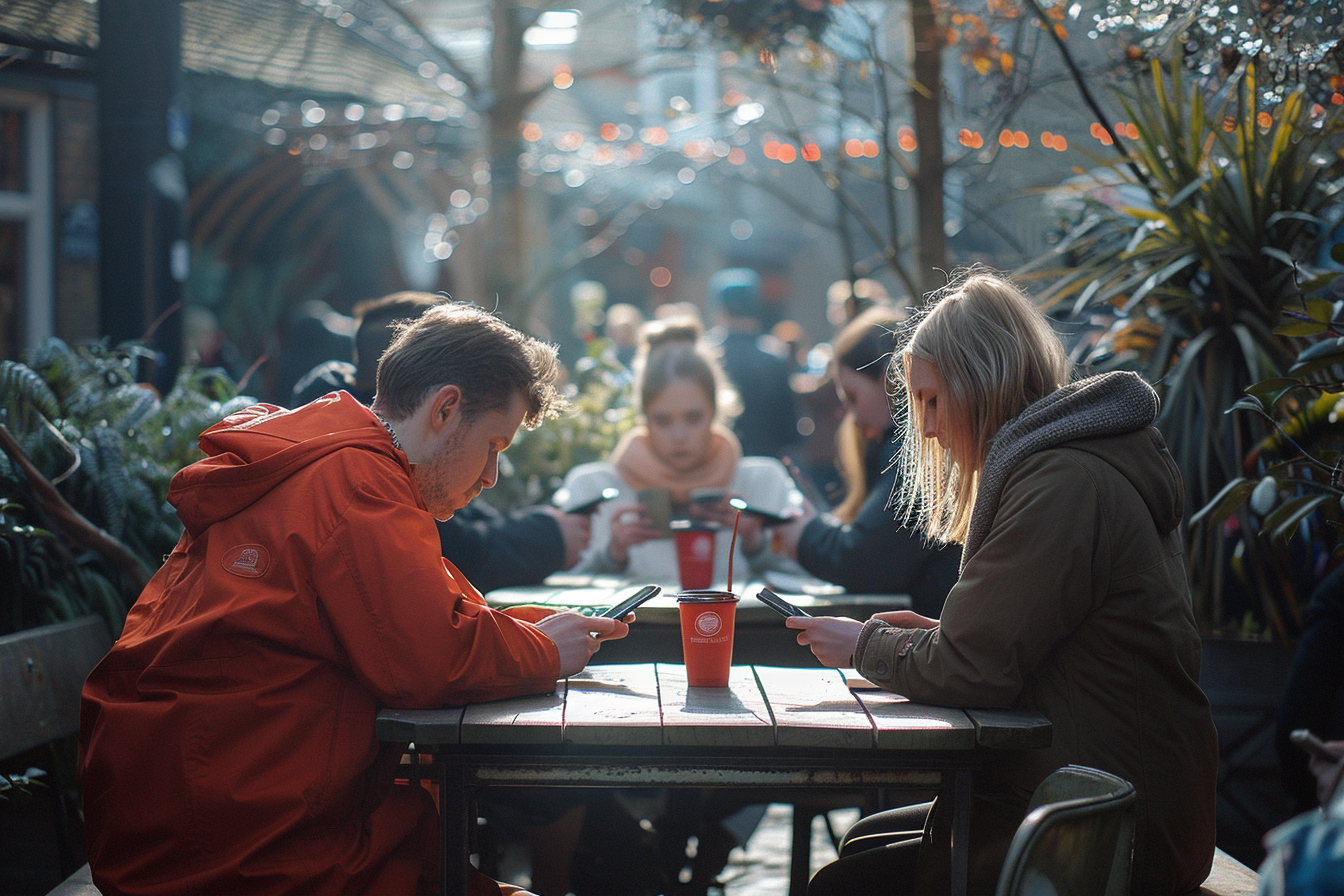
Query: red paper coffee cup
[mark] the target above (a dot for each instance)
(707, 636)
(695, 554)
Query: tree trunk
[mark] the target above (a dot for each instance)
(507, 249)
(926, 96)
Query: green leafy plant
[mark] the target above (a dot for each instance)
(1188, 282)
(88, 455)
(600, 413)
(1292, 483)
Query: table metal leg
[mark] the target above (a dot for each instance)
(455, 821)
(961, 830)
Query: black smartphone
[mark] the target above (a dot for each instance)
(779, 604)
(1312, 744)
(767, 518)
(592, 504)
(634, 600)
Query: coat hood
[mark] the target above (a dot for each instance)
(1090, 415)
(251, 452)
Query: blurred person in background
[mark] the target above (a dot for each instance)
(757, 364)
(860, 544)
(683, 447)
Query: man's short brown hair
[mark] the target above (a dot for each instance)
(461, 344)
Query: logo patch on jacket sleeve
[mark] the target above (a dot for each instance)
(250, 560)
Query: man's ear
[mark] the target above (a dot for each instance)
(444, 405)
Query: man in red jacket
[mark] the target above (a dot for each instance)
(227, 740)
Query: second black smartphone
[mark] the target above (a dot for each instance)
(779, 604)
(634, 600)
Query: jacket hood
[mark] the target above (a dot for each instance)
(1142, 458)
(251, 452)
(1091, 415)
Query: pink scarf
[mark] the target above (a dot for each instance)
(634, 459)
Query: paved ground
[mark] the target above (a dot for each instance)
(762, 869)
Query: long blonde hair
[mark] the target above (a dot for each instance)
(997, 354)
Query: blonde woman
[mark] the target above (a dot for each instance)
(682, 448)
(1072, 599)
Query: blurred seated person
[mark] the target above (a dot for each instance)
(861, 545)
(1304, 856)
(1313, 695)
(1072, 599)
(681, 450)
(492, 548)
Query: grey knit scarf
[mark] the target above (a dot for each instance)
(1105, 405)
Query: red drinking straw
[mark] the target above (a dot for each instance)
(732, 549)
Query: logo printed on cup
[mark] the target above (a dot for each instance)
(708, 623)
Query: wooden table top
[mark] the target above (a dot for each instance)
(650, 706)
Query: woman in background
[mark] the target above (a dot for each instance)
(861, 545)
(682, 450)
(1072, 600)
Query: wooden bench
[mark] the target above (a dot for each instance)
(42, 672)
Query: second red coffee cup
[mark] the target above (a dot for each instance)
(695, 553)
(707, 619)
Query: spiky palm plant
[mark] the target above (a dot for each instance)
(1190, 287)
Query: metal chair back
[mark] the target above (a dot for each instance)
(1077, 838)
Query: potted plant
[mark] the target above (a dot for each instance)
(84, 471)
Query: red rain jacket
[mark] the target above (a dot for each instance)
(226, 741)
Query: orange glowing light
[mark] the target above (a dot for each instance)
(737, 156)
(531, 131)
(771, 149)
(1337, 99)
(905, 138)
(1132, 131)
(853, 148)
(563, 80)
(787, 153)
(1021, 140)
(609, 131)
(811, 152)
(870, 149)
(1264, 119)
(660, 277)
(1061, 143)
(654, 136)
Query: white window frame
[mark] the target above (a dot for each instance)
(32, 208)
